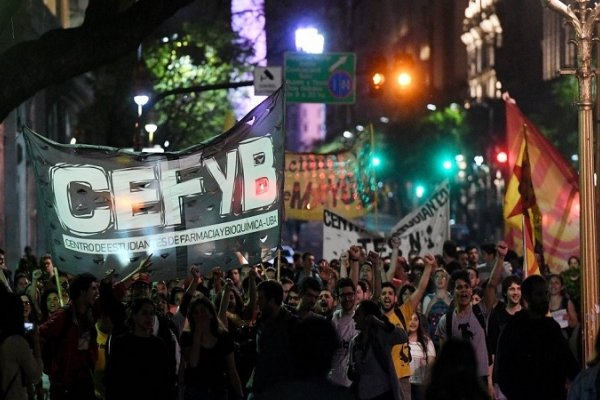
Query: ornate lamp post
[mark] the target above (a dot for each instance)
(583, 19)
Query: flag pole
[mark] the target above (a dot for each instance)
(583, 20)
(525, 260)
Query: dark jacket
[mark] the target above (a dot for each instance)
(533, 359)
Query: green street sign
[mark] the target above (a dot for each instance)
(320, 78)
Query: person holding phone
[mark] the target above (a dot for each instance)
(19, 363)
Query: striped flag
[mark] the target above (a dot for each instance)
(525, 207)
(542, 192)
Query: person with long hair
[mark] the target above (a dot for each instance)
(19, 365)
(422, 353)
(138, 363)
(208, 353)
(437, 303)
(49, 303)
(561, 307)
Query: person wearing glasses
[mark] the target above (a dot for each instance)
(342, 320)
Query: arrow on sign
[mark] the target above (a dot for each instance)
(339, 62)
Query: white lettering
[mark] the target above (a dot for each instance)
(260, 181)
(94, 177)
(134, 197)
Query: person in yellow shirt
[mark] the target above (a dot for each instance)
(400, 316)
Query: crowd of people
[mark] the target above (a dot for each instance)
(448, 326)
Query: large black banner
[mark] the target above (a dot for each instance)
(206, 206)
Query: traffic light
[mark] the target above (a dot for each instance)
(404, 73)
(375, 160)
(398, 77)
(377, 73)
(501, 157)
(419, 191)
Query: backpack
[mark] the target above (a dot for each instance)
(480, 318)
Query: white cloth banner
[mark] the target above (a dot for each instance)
(339, 234)
(425, 229)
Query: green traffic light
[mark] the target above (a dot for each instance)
(375, 161)
(419, 191)
(447, 165)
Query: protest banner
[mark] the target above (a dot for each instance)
(425, 229)
(341, 182)
(204, 206)
(339, 234)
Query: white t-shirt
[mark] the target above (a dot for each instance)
(418, 364)
(344, 325)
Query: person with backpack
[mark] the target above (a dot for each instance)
(19, 365)
(467, 321)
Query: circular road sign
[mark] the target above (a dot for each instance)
(340, 84)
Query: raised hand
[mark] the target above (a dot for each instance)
(502, 249)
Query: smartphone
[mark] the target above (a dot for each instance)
(28, 326)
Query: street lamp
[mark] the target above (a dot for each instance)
(583, 20)
(151, 128)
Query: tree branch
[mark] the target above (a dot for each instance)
(61, 54)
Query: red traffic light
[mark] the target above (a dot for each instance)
(502, 157)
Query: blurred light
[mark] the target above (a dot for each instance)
(447, 164)
(165, 39)
(502, 157)
(154, 149)
(478, 160)
(419, 191)
(384, 120)
(166, 144)
(375, 161)
(431, 107)
(452, 221)
(348, 134)
(454, 106)
(309, 40)
(73, 140)
(462, 165)
(575, 157)
(459, 158)
(141, 99)
(378, 79)
(462, 174)
(150, 128)
(360, 128)
(404, 79)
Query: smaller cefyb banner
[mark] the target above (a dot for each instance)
(205, 206)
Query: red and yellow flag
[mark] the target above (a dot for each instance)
(525, 207)
(541, 205)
